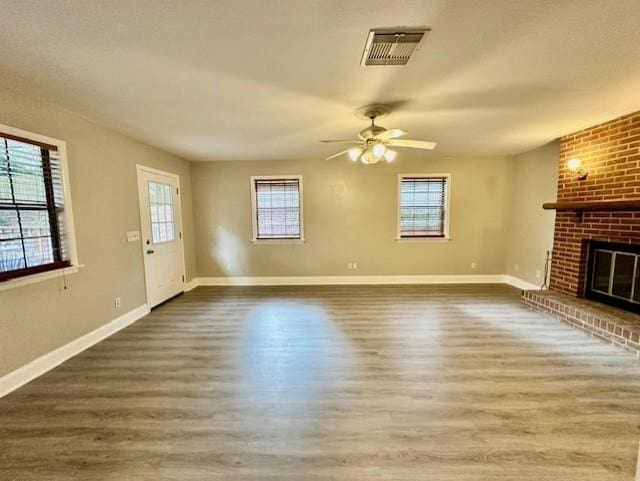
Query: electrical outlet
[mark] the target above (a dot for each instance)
(538, 274)
(516, 267)
(473, 265)
(355, 265)
(116, 302)
(133, 236)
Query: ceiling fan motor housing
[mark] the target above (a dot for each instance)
(371, 131)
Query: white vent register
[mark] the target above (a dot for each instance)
(392, 46)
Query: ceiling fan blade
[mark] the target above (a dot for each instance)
(341, 141)
(413, 144)
(390, 134)
(338, 154)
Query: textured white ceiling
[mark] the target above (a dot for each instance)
(267, 79)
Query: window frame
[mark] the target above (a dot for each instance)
(254, 209)
(447, 211)
(74, 265)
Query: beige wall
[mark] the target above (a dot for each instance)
(529, 229)
(38, 318)
(350, 214)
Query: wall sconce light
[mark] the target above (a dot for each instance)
(574, 166)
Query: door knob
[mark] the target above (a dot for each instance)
(150, 251)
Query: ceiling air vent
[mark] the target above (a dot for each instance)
(391, 46)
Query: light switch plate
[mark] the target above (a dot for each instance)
(133, 236)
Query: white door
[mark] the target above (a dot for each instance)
(161, 234)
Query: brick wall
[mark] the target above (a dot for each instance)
(610, 153)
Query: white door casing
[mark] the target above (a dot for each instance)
(161, 224)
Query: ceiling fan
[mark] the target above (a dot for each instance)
(375, 141)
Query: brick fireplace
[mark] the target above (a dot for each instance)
(601, 211)
(610, 154)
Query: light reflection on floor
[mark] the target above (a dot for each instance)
(288, 351)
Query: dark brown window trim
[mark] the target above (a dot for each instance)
(279, 238)
(435, 236)
(277, 182)
(42, 145)
(9, 275)
(49, 207)
(442, 206)
(54, 228)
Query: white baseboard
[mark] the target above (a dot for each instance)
(191, 285)
(350, 280)
(638, 465)
(520, 283)
(362, 280)
(41, 365)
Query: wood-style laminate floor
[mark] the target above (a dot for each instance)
(428, 383)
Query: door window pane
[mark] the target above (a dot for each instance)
(161, 212)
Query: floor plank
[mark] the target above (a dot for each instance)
(332, 383)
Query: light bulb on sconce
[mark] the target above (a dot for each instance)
(574, 166)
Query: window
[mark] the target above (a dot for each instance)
(277, 208)
(423, 206)
(33, 227)
(161, 205)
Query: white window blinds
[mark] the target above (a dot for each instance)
(423, 206)
(277, 208)
(32, 230)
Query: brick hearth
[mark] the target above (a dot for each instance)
(609, 324)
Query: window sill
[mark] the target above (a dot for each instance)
(278, 241)
(42, 276)
(423, 239)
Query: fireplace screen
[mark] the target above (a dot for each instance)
(613, 275)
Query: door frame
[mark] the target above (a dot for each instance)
(144, 168)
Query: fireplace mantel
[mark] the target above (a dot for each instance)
(597, 205)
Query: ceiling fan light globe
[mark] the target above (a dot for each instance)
(390, 155)
(378, 150)
(354, 153)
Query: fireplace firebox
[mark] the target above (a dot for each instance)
(613, 274)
